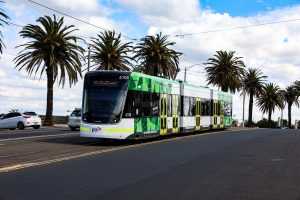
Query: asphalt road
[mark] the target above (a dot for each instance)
(30, 132)
(257, 164)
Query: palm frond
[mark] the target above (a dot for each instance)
(3, 21)
(109, 53)
(51, 46)
(225, 71)
(156, 57)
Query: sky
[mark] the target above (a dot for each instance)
(273, 48)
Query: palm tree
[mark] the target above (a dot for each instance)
(3, 21)
(290, 95)
(253, 82)
(297, 85)
(269, 99)
(52, 49)
(225, 70)
(156, 57)
(108, 52)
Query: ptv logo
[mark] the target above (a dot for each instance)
(95, 130)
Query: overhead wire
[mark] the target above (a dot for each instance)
(236, 27)
(75, 18)
(182, 35)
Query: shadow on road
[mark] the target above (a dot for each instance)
(77, 140)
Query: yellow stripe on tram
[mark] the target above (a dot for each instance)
(118, 130)
(85, 129)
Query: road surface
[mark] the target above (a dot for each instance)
(30, 132)
(257, 164)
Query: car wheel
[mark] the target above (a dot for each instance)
(20, 126)
(36, 127)
(72, 128)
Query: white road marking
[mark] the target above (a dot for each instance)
(47, 162)
(39, 136)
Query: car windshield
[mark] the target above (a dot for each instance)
(76, 113)
(30, 113)
(104, 99)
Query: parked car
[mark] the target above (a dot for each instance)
(75, 119)
(15, 120)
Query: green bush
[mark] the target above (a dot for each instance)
(247, 124)
(264, 123)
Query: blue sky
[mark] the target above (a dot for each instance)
(246, 7)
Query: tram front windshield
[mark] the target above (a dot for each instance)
(104, 98)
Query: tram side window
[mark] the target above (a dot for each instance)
(227, 109)
(205, 107)
(186, 106)
(141, 104)
(155, 104)
(133, 105)
(149, 104)
(192, 111)
(146, 104)
(129, 107)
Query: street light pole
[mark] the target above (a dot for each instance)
(185, 74)
(188, 68)
(89, 55)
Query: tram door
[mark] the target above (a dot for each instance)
(215, 115)
(175, 105)
(221, 114)
(163, 114)
(198, 113)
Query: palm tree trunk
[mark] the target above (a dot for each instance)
(155, 70)
(250, 109)
(290, 115)
(270, 118)
(49, 111)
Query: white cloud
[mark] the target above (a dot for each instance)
(273, 48)
(74, 5)
(168, 11)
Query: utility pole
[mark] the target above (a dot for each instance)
(281, 118)
(188, 68)
(89, 55)
(185, 74)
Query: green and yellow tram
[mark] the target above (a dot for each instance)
(131, 105)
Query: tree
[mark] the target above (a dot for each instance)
(108, 52)
(290, 96)
(297, 85)
(253, 82)
(156, 57)
(52, 49)
(225, 70)
(269, 99)
(13, 110)
(3, 21)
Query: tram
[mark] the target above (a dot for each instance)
(132, 105)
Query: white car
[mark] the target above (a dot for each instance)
(15, 120)
(74, 119)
